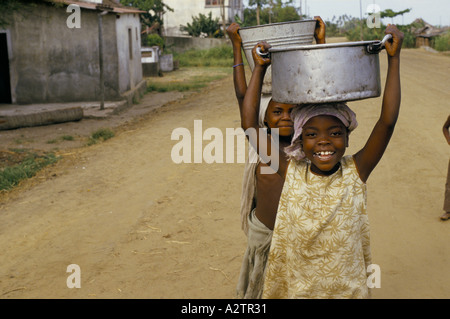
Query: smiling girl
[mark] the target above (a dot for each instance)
(321, 244)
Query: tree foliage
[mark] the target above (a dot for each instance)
(389, 13)
(7, 9)
(203, 25)
(259, 4)
(276, 11)
(350, 27)
(154, 11)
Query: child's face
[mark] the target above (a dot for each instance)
(278, 115)
(324, 140)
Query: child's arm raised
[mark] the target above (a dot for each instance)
(319, 31)
(250, 109)
(240, 83)
(369, 156)
(259, 139)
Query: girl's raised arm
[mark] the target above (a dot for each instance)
(369, 156)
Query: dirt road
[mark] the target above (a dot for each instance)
(140, 226)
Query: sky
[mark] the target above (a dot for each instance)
(435, 12)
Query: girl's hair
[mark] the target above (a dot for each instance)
(302, 113)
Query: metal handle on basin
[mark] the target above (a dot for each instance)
(261, 54)
(378, 46)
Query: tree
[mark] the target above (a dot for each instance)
(388, 13)
(277, 11)
(154, 11)
(283, 12)
(7, 9)
(259, 5)
(203, 24)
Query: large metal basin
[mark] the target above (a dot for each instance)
(277, 35)
(323, 73)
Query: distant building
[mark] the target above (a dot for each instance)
(186, 9)
(426, 34)
(49, 60)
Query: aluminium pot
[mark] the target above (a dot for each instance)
(325, 73)
(277, 35)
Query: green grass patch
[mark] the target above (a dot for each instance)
(61, 138)
(10, 176)
(192, 83)
(102, 134)
(221, 56)
(67, 138)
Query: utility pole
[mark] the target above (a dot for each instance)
(222, 13)
(300, 9)
(104, 9)
(270, 11)
(360, 17)
(100, 59)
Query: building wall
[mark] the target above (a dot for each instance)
(53, 63)
(128, 30)
(50, 62)
(186, 9)
(422, 41)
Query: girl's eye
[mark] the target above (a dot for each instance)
(337, 133)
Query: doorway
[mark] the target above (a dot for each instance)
(5, 86)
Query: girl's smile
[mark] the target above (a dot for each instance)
(324, 140)
(324, 155)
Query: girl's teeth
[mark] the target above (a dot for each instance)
(324, 153)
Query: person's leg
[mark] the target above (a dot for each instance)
(446, 215)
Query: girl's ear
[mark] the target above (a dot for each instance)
(346, 140)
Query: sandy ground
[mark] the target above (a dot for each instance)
(140, 226)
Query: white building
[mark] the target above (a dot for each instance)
(184, 10)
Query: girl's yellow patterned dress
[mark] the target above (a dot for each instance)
(321, 242)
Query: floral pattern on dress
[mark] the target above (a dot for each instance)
(321, 242)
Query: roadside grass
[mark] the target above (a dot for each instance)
(61, 138)
(197, 69)
(27, 167)
(102, 134)
(221, 56)
(195, 82)
(17, 164)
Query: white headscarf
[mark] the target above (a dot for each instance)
(301, 114)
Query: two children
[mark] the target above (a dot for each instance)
(320, 244)
(261, 192)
